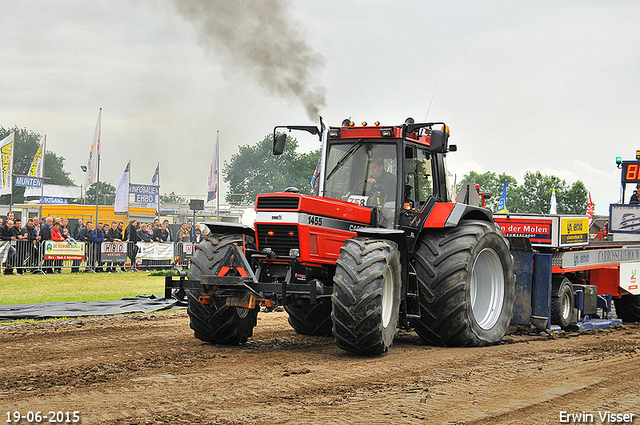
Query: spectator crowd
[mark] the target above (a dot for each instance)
(34, 232)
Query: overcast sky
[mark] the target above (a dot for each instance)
(551, 85)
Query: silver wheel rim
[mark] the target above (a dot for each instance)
(487, 288)
(242, 312)
(387, 296)
(566, 305)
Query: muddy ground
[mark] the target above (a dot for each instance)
(148, 369)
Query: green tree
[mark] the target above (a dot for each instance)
(26, 144)
(254, 170)
(492, 182)
(534, 196)
(107, 194)
(172, 198)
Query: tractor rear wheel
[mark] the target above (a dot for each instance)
(628, 308)
(310, 319)
(466, 284)
(216, 322)
(366, 295)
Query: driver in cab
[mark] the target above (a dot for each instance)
(380, 177)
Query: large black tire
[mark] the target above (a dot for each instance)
(562, 303)
(466, 284)
(310, 319)
(366, 295)
(216, 322)
(211, 251)
(628, 308)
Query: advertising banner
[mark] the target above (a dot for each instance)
(113, 252)
(629, 277)
(624, 219)
(574, 230)
(539, 230)
(155, 251)
(145, 193)
(63, 250)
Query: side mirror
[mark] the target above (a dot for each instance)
(439, 141)
(278, 143)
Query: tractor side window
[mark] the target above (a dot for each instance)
(418, 178)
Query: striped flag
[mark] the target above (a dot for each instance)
(502, 206)
(6, 151)
(121, 204)
(212, 189)
(590, 210)
(94, 153)
(314, 179)
(35, 171)
(554, 204)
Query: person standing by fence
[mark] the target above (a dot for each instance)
(6, 234)
(98, 238)
(34, 240)
(45, 235)
(183, 234)
(131, 236)
(56, 235)
(85, 234)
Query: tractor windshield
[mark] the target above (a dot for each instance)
(364, 173)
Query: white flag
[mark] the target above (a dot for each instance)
(155, 181)
(36, 171)
(6, 150)
(94, 153)
(553, 203)
(121, 205)
(212, 189)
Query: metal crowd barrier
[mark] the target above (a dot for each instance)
(35, 257)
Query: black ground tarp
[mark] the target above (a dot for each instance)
(139, 304)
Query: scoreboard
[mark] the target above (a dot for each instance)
(630, 172)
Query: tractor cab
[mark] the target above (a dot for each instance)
(392, 170)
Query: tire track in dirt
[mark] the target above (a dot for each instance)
(133, 370)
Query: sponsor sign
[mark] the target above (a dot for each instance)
(26, 181)
(187, 250)
(155, 251)
(574, 230)
(629, 277)
(624, 219)
(539, 230)
(114, 252)
(53, 200)
(54, 250)
(600, 256)
(145, 193)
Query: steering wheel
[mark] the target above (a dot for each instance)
(376, 188)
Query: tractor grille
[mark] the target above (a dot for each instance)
(283, 239)
(278, 203)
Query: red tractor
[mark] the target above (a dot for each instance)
(379, 245)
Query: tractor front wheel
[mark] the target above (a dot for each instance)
(366, 295)
(215, 322)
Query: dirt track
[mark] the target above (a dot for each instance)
(144, 369)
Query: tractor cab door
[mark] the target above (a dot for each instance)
(417, 191)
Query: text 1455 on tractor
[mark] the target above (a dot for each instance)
(379, 245)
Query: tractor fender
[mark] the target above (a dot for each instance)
(230, 228)
(449, 214)
(400, 238)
